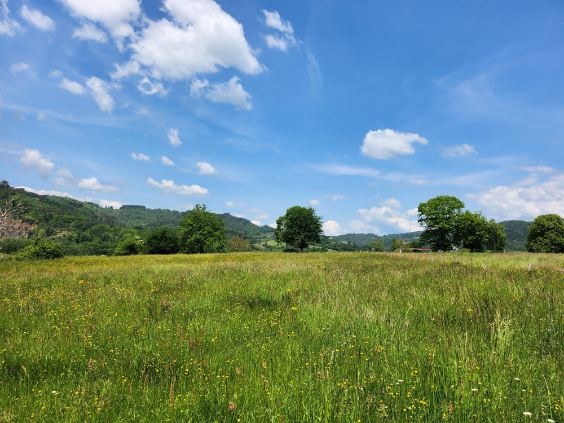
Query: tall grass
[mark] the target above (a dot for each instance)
(283, 338)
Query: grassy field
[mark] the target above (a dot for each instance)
(283, 338)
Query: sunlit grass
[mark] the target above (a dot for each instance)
(283, 337)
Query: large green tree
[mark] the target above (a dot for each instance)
(299, 227)
(201, 232)
(163, 240)
(546, 234)
(439, 216)
(474, 232)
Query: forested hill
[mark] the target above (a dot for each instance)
(54, 215)
(86, 222)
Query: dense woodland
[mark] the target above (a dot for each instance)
(83, 228)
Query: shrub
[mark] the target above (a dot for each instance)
(41, 249)
(129, 245)
(162, 241)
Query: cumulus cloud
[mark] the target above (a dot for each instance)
(92, 184)
(332, 228)
(256, 222)
(174, 137)
(20, 67)
(230, 92)
(32, 158)
(168, 185)
(37, 18)
(100, 93)
(167, 161)
(389, 213)
(139, 157)
(284, 38)
(315, 202)
(115, 16)
(8, 26)
(200, 38)
(462, 150)
(148, 87)
(539, 193)
(204, 168)
(90, 32)
(110, 204)
(72, 86)
(64, 177)
(385, 144)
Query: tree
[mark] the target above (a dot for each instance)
(238, 244)
(41, 249)
(546, 234)
(201, 232)
(299, 227)
(397, 244)
(439, 216)
(378, 245)
(163, 240)
(129, 245)
(475, 233)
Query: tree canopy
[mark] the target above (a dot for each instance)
(475, 233)
(438, 215)
(201, 232)
(163, 240)
(546, 234)
(299, 227)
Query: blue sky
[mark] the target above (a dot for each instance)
(361, 109)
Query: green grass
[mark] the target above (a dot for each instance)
(283, 338)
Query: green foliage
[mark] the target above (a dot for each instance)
(439, 215)
(41, 249)
(13, 245)
(546, 234)
(162, 240)
(129, 245)
(299, 227)
(378, 245)
(282, 338)
(516, 232)
(398, 244)
(201, 232)
(475, 233)
(238, 244)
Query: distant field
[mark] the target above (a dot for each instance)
(283, 338)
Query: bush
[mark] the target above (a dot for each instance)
(128, 246)
(162, 241)
(10, 246)
(546, 234)
(41, 249)
(238, 244)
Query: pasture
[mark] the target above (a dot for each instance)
(255, 337)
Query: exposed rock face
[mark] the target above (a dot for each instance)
(10, 225)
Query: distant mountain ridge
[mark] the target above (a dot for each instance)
(58, 215)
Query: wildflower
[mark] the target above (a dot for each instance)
(551, 421)
(474, 389)
(527, 413)
(231, 406)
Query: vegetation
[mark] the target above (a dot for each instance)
(162, 240)
(299, 227)
(546, 234)
(276, 337)
(201, 232)
(238, 244)
(41, 249)
(378, 245)
(129, 245)
(474, 232)
(439, 217)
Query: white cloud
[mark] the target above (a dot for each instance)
(55, 73)
(125, 70)
(92, 184)
(540, 193)
(37, 18)
(34, 159)
(285, 38)
(360, 226)
(168, 185)
(20, 67)
(230, 92)
(314, 202)
(100, 93)
(412, 212)
(89, 32)
(8, 26)
(110, 204)
(462, 150)
(385, 144)
(48, 192)
(148, 87)
(167, 161)
(336, 197)
(389, 213)
(115, 16)
(204, 168)
(256, 222)
(345, 170)
(174, 137)
(139, 157)
(332, 228)
(201, 38)
(72, 86)
(64, 177)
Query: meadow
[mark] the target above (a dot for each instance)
(255, 337)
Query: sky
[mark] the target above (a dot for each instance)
(360, 109)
